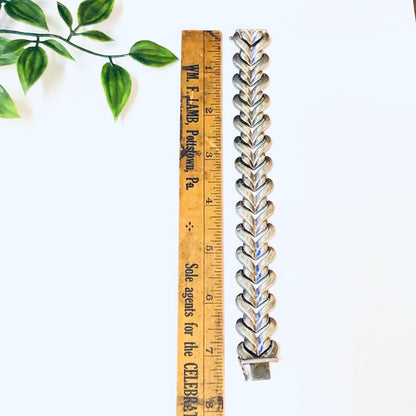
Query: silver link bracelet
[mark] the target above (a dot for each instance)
(255, 302)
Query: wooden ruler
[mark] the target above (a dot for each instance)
(200, 376)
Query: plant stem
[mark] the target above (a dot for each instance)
(73, 32)
(52, 35)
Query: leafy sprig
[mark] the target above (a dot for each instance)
(32, 60)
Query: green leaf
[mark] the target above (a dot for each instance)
(26, 11)
(65, 14)
(94, 11)
(31, 64)
(117, 87)
(58, 48)
(7, 106)
(96, 35)
(15, 45)
(3, 43)
(7, 58)
(151, 54)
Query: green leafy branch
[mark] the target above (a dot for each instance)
(32, 59)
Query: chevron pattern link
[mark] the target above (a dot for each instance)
(255, 232)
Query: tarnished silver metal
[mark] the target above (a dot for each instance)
(256, 326)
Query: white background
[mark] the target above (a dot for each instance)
(88, 217)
